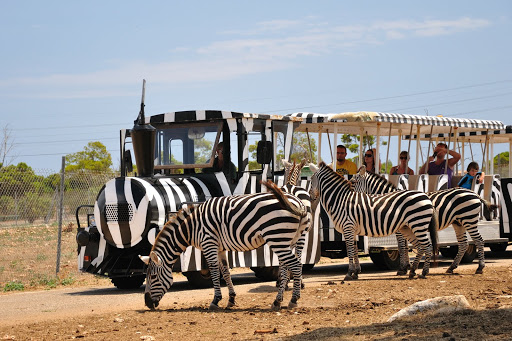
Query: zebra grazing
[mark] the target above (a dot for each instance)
(459, 207)
(410, 212)
(235, 223)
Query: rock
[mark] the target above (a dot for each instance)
(441, 304)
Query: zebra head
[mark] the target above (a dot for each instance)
(158, 279)
(359, 180)
(314, 191)
(292, 171)
(166, 250)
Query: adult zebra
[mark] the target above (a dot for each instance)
(410, 212)
(458, 207)
(235, 223)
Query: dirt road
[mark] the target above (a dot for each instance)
(326, 303)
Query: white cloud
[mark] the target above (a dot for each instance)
(230, 59)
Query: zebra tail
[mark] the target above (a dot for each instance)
(433, 228)
(283, 200)
(488, 208)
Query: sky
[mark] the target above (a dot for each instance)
(72, 72)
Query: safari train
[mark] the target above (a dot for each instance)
(177, 163)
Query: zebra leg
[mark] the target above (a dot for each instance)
(409, 235)
(479, 242)
(288, 261)
(296, 269)
(428, 256)
(403, 251)
(350, 243)
(462, 242)
(213, 263)
(224, 268)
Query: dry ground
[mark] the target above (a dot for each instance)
(329, 309)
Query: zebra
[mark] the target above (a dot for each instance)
(354, 213)
(291, 178)
(458, 207)
(235, 223)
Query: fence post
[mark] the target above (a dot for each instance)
(61, 208)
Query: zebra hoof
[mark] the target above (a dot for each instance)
(292, 305)
(479, 271)
(276, 306)
(348, 278)
(422, 276)
(231, 305)
(302, 286)
(412, 275)
(449, 271)
(213, 307)
(401, 273)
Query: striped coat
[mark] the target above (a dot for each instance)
(375, 215)
(236, 223)
(458, 207)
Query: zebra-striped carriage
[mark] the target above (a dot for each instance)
(406, 132)
(177, 159)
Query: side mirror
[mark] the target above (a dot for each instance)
(264, 152)
(128, 161)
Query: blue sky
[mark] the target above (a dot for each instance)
(72, 72)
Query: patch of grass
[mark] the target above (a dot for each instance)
(48, 281)
(14, 286)
(41, 257)
(69, 280)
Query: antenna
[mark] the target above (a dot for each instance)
(141, 119)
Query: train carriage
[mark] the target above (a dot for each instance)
(175, 155)
(410, 131)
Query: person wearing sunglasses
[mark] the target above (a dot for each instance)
(369, 161)
(402, 167)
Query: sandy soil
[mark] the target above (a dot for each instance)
(329, 309)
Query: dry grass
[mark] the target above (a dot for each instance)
(29, 257)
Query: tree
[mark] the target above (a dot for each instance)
(6, 146)
(94, 157)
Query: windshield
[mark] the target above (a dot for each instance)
(186, 145)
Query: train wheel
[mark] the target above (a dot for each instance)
(498, 248)
(386, 260)
(199, 279)
(266, 273)
(127, 283)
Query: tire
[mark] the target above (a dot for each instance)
(307, 267)
(199, 279)
(498, 248)
(386, 260)
(128, 283)
(449, 252)
(266, 273)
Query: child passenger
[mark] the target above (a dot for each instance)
(472, 171)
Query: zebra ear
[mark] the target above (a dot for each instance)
(155, 258)
(362, 170)
(285, 163)
(145, 259)
(313, 167)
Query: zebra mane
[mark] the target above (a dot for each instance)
(174, 221)
(341, 178)
(381, 179)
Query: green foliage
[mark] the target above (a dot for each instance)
(48, 281)
(202, 150)
(69, 280)
(352, 142)
(14, 286)
(94, 157)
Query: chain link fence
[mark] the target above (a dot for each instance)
(31, 248)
